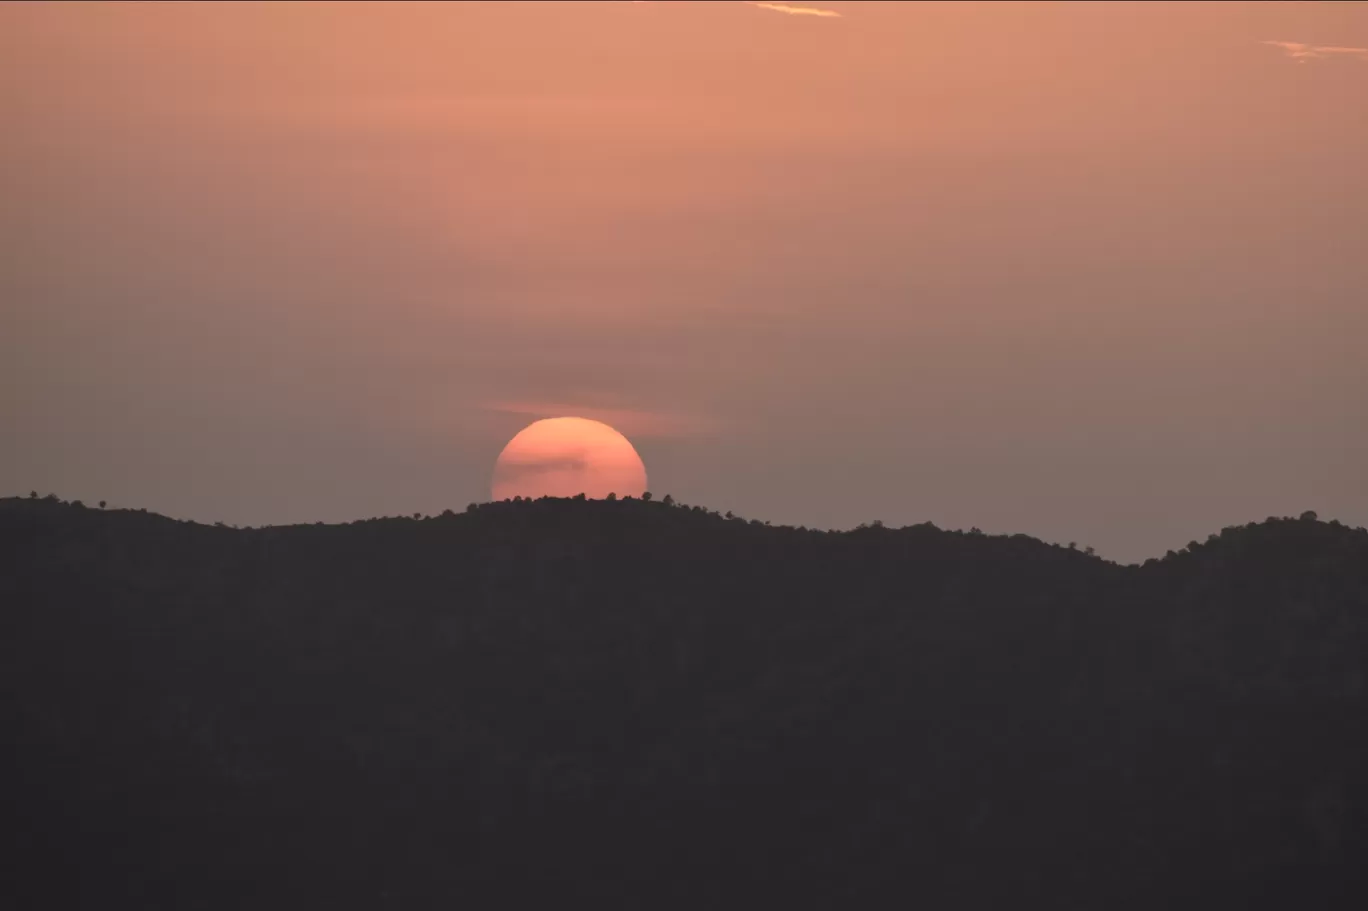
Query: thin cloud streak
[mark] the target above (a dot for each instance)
(517, 467)
(797, 10)
(788, 9)
(1301, 52)
(630, 422)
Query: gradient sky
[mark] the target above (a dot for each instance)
(1092, 272)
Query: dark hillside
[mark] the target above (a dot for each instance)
(643, 705)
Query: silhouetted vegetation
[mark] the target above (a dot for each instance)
(629, 704)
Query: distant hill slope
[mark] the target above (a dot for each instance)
(639, 705)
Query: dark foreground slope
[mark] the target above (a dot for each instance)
(630, 705)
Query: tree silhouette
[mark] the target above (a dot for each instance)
(668, 500)
(102, 504)
(611, 497)
(646, 496)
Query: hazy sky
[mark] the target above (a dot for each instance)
(1092, 272)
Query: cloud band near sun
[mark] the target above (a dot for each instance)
(633, 422)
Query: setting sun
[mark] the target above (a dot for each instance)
(563, 457)
(337, 336)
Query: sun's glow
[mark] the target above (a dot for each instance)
(566, 456)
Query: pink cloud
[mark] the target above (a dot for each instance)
(1301, 53)
(789, 9)
(797, 10)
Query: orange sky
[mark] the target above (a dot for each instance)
(1091, 272)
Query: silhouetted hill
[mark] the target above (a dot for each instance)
(640, 705)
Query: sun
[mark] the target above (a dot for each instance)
(563, 457)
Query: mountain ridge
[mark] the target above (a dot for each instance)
(638, 703)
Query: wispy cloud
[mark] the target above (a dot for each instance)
(631, 422)
(789, 9)
(1301, 53)
(797, 10)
